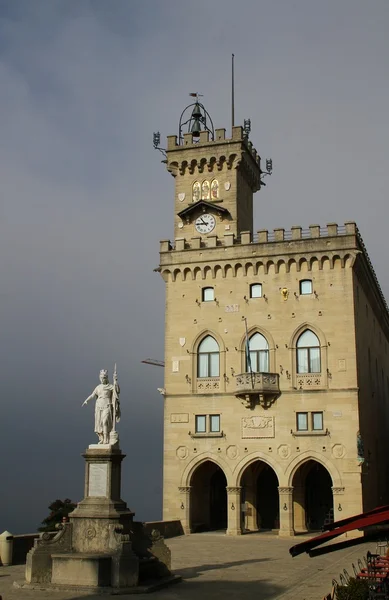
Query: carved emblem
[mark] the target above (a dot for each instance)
(232, 452)
(227, 186)
(181, 196)
(91, 533)
(257, 427)
(285, 293)
(182, 452)
(338, 450)
(182, 341)
(284, 450)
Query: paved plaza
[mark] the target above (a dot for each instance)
(215, 566)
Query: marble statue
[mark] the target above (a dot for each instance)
(107, 409)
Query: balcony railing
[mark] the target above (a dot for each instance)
(257, 388)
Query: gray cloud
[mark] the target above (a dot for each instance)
(85, 200)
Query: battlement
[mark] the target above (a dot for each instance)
(204, 142)
(263, 236)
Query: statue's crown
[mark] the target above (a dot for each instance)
(104, 372)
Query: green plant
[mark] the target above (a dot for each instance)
(59, 509)
(357, 589)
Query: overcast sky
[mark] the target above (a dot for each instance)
(85, 198)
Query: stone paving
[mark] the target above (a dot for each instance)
(215, 566)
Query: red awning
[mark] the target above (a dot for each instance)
(378, 516)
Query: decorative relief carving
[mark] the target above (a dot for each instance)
(338, 490)
(181, 196)
(179, 418)
(227, 185)
(184, 489)
(232, 452)
(284, 450)
(91, 533)
(233, 490)
(208, 383)
(258, 427)
(311, 380)
(182, 452)
(338, 451)
(285, 490)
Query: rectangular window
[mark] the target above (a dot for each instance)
(208, 294)
(201, 423)
(305, 286)
(317, 421)
(302, 360)
(302, 421)
(214, 365)
(256, 290)
(314, 360)
(214, 423)
(203, 365)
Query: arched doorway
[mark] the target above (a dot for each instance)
(208, 498)
(260, 498)
(312, 497)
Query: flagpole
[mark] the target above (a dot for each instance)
(232, 94)
(248, 358)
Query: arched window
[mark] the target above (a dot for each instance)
(308, 353)
(208, 358)
(258, 361)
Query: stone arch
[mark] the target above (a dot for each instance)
(303, 265)
(238, 269)
(201, 459)
(207, 273)
(187, 274)
(292, 265)
(314, 263)
(176, 272)
(323, 354)
(301, 328)
(337, 260)
(248, 269)
(325, 261)
(197, 274)
(304, 457)
(259, 265)
(349, 260)
(166, 275)
(272, 348)
(281, 266)
(200, 336)
(269, 266)
(252, 458)
(228, 270)
(218, 271)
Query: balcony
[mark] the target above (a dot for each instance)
(257, 388)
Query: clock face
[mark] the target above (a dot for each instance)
(206, 223)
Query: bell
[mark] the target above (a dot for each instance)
(196, 128)
(196, 112)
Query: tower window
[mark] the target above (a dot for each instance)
(258, 359)
(208, 294)
(305, 286)
(256, 290)
(308, 353)
(208, 358)
(207, 423)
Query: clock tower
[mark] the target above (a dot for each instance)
(215, 179)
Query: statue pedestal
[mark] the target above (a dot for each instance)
(101, 548)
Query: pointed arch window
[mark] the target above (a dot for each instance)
(258, 361)
(208, 364)
(308, 353)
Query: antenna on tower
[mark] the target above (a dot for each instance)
(232, 94)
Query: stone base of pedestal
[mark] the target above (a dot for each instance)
(101, 547)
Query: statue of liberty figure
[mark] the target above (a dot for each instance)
(107, 408)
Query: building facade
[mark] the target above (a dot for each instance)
(276, 357)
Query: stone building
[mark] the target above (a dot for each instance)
(276, 356)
